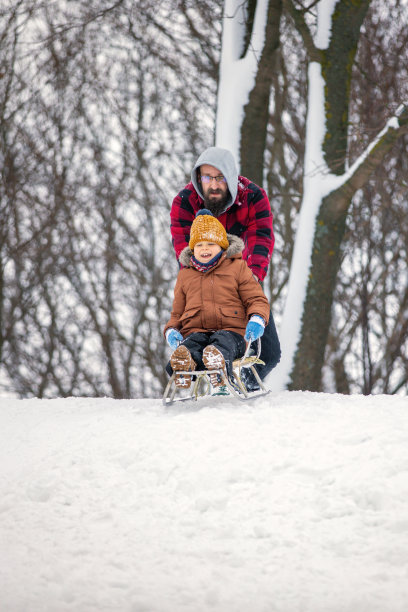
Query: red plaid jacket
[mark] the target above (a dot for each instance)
(249, 217)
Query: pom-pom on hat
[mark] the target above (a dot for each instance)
(206, 227)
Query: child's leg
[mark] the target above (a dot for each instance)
(195, 344)
(230, 344)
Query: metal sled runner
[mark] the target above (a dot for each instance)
(201, 386)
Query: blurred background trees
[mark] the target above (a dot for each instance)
(104, 107)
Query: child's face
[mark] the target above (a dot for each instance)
(205, 251)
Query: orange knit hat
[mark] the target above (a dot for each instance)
(206, 227)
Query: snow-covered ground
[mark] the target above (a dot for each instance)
(297, 502)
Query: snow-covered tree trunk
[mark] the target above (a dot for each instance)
(250, 33)
(250, 36)
(328, 189)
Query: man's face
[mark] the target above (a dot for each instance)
(214, 187)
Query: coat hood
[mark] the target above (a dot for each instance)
(236, 246)
(223, 160)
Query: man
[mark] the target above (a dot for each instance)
(244, 210)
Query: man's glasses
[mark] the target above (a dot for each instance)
(206, 178)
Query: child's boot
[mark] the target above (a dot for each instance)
(214, 360)
(181, 360)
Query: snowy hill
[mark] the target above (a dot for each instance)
(295, 503)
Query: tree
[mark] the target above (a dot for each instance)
(331, 72)
(103, 110)
(330, 38)
(100, 132)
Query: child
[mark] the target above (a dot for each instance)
(214, 296)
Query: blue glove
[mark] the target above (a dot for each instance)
(253, 331)
(174, 338)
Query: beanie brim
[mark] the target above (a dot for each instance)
(206, 228)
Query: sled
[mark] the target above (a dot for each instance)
(201, 386)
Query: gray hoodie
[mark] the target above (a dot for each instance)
(223, 160)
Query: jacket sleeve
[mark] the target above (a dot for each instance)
(251, 294)
(179, 305)
(259, 235)
(182, 215)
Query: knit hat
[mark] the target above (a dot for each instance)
(206, 227)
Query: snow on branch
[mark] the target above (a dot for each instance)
(237, 74)
(357, 175)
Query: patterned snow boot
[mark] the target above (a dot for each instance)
(181, 359)
(214, 360)
(221, 390)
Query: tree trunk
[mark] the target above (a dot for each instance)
(326, 259)
(336, 64)
(316, 319)
(256, 111)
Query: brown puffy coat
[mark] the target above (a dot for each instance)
(222, 298)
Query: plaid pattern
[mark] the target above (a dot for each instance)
(249, 217)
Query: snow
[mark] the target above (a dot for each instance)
(236, 74)
(325, 10)
(295, 502)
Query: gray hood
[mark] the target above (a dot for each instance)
(223, 160)
(236, 245)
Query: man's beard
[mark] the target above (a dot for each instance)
(217, 207)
